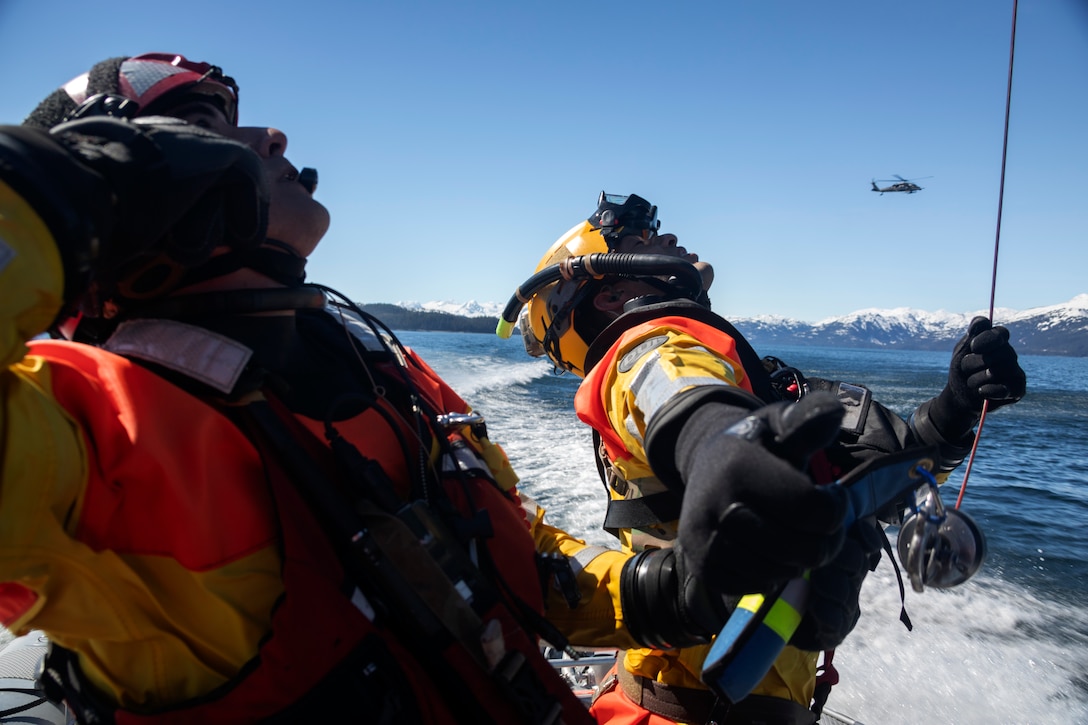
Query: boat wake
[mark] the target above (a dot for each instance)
(987, 651)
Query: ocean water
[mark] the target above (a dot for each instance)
(1008, 646)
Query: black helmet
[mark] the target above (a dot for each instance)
(142, 85)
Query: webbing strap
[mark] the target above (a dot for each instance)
(39, 699)
(826, 678)
(638, 513)
(903, 616)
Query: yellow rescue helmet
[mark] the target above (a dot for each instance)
(547, 324)
(565, 277)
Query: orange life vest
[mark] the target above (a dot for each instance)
(323, 651)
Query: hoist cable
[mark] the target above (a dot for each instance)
(997, 241)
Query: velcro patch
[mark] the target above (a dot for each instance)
(855, 399)
(627, 362)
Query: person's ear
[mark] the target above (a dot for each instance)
(609, 299)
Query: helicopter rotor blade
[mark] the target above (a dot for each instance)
(900, 178)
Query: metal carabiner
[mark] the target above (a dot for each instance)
(938, 546)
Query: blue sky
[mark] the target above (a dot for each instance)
(457, 141)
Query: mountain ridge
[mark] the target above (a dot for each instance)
(1060, 329)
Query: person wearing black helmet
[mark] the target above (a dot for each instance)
(230, 496)
(710, 453)
(155, 84)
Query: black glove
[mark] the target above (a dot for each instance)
(111, 190)
(833, 608)
(751, 519)
(984, 367)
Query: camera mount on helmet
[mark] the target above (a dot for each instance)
(618, 216)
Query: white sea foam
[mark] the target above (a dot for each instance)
(474, 379)
(985, 652)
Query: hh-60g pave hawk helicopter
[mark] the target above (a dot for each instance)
(906, 185)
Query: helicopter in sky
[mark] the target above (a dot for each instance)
(902, 184)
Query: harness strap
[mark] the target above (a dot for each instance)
(604, 466)
(903, 616)
(39, 699)
(690, 705)
(683, 704)
(63, 680)
(519, 683)
(358, 551)
(288, 269)
(826, 678)
(639, 513)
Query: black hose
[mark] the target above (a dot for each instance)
(600, 264)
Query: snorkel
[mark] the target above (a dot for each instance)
(684, 278)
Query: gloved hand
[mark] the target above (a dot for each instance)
(833, 608)
(984, 367)
(111, 190)
(751, 519)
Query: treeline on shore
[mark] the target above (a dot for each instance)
(398, 318)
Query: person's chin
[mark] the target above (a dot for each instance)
(707, 273)
(292, 200)
(299, 225)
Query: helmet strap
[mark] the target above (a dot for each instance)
(553, 335)
(277, 262)
(143, 292)
(233, 302)
(668, 291)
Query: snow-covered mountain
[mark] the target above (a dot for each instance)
(1055, 330)
(472, 308)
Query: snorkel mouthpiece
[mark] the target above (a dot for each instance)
(308, 178)
(504, 329)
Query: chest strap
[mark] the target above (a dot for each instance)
(641, 513)
(687, 704)
(427, 626)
